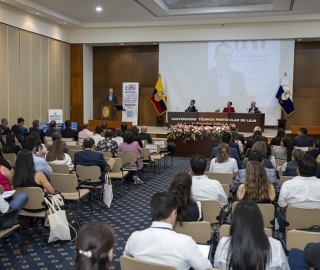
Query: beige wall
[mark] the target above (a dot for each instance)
(34, 75)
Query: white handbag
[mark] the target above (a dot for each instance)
(59, 227)
(107, 190)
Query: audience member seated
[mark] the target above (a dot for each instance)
(23, 130)
(5, 163)
(68, 132)
(123, 127)
(135, 132)
(35, 127)
(57, 156)
(118, 139)
(203, 188)
(233, 128)
(144, 135)
(5, 178)
(290, 168)
(234, 139)
(301, 191)
(16, 131)
(40, 164)
(1, 140)
(302, 140)
(98, 136)
(270, 156)
(308, 259)
(104, 126)
(52, 128)
(41, 149)
(223, 162)
(94, 246)
(315, 152)
(277, 139)
(129, 145)
(261, 146)
(257, 186)
(89, 157)
(56, 136)
(11, 145)
(5, 126)
(188, 209)
(160, 243)
(248, 247)
(271, 173)
(108, 145)
(26, 176)
(85, 133)
(226, 138)
(285, 150)
(14, 203)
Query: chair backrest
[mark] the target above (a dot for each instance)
(11, 157)
(1, 189)
(68, 139)
(225, 231)
(267, 211)
(59, 168)
(47, 138)
(72, 152)
(162, 142)
(154, 148)
(65, 183)
(299, 239)
(117, 164)
(129, 263)
(274, 147)
(304, 149)
(74, 147)
(89, 172)
(35, 197)
(223, 178)
(284, 179)
(145, 154)
(280, 162)
(200, 231)
(72, 143)
(80, 141)
(210, 210)
(127, 158)
(111, 162)
(105, 154)
(226, 189)
(302, 218)
(144, 142)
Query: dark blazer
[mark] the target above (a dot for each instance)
(69, 133)
(191, 109)
(40, 131)
(303, 141)
(50, 130)
(255, 109)
(11, 148)
(234, 153)
(90, 158)
(5, 130)
(314, 152)
(146, 136)
(241, 138)
(23, 131)
(114, 98)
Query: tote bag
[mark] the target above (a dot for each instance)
(107, 191)
(59, 227)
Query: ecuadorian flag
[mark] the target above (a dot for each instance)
(284, 97)
(158, 99)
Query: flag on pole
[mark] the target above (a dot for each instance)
(284, 97)
(158, 99)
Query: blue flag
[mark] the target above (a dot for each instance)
(284, 97)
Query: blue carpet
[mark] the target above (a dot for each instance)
(126, 215)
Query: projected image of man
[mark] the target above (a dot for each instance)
(223, 80)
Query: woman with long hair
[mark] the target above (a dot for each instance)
(40, 147)
(277, 139)
(12, 144)
(290, 167)
(285, 150)
(135, 132)
(223, 162)
(261, 146)
(94, 247)
(26, 176)
(188, 209)
(16, 130)
(248, 247)
(57, 156)
(234, 139)
(257, 186)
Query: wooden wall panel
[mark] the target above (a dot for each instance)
(76, 60)
(114, 65)
(4, 83)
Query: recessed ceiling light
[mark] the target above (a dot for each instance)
(99, 9)
(121, 44)
(155, 43)
(38, 13)
(299, 39)
(64, 23)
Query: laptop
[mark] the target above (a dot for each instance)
(205, 249)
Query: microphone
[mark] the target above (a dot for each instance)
(217, 110)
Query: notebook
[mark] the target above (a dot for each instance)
(205, 249)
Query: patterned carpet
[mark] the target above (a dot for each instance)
(126, 215)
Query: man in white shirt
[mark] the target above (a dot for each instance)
(301, 191)
(85, 133)
(203, 188)
(118, 137)
(160, 244)
(97, 136)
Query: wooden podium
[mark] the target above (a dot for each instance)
(107, 110)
